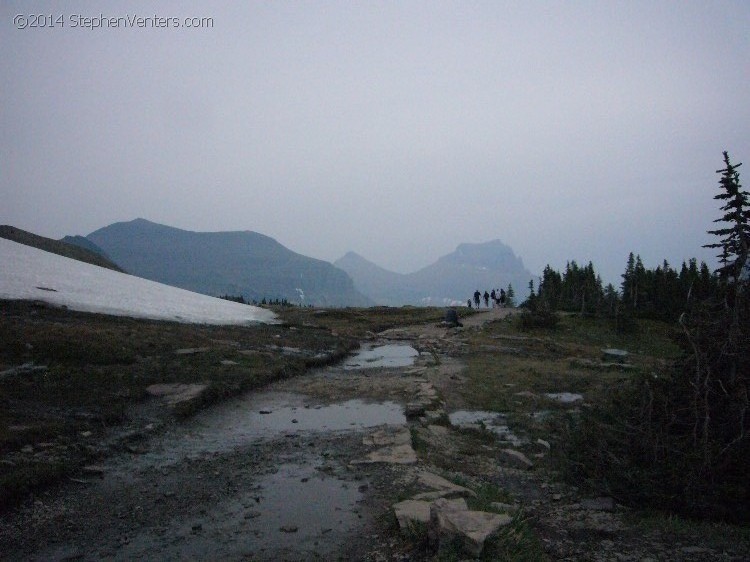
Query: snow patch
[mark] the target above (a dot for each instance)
(31, 274)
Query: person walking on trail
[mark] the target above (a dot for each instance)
(486, 299)
(502, 298)
(477, 297)
(493, 296)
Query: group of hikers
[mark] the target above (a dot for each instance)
(498, 298)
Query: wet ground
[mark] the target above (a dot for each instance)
(277, 475)
(267, 476)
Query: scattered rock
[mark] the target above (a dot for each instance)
(504, 507)
(175, 393)
(612, 354)
(22, 369)
(192, 350)
(516, 459)
(414, 410)
(564, 397)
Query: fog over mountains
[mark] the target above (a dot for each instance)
(239, 263)
(452, 279)
(256, 267)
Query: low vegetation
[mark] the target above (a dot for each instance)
(82, 373)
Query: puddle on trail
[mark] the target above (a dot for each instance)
(296, 512)
(390, 355)
(492, 421)
(267, 416)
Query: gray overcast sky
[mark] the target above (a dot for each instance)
(569, 130)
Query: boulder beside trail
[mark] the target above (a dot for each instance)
(451, 520)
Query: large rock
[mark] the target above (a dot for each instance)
(410, 513)
(441, 488)
(451, 520)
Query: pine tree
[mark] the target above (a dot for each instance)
(510, 297)
(736, 235)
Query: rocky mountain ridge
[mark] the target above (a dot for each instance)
(450, 280)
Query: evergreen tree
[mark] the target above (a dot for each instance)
(531, 300)
(510, 297)
(735, 240)
(681, 440)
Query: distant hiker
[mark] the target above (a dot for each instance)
(477, 297)
(468, 302)
(486, 299)
(502, 297)
(451, 318)
(493, 296)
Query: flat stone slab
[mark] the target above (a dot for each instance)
(397, 454)
(516, 459)
(191, 350)
(411, 512)
(382, 437)
(613, 354)
(174, 393)
(564, 397)
(451, 519)
(441, 487)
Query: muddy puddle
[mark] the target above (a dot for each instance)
(294, 513)
(371, 356)
(267, 416)
(265, 476)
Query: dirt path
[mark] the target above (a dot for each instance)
(285, 474)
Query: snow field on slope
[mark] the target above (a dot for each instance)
(27, 273)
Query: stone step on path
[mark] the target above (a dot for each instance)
(441, 505)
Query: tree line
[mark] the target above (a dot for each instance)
(661, 293)
(677, 437)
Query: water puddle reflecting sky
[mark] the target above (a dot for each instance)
(390, 355)
(267, 416)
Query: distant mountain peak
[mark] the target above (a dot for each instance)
(452, 278)
(237, 263)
